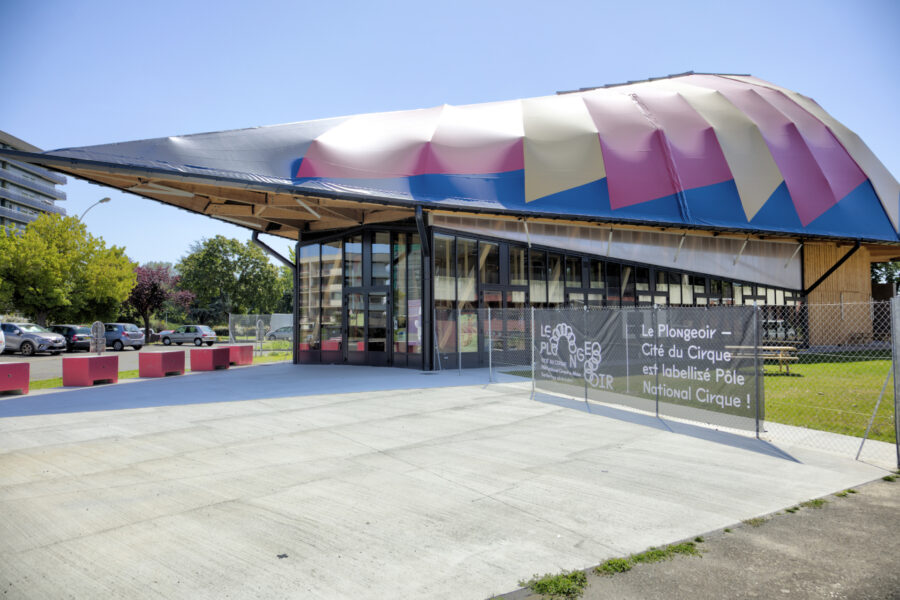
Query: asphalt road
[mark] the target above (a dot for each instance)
(845, 549)
(45, 366)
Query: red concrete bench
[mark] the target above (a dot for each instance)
(240, 355)
(88, 370)
(160, 364)
(210, 359)
(14, 377)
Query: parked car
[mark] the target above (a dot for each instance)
(29, 338)
(2, 340)
(282, 333)
(77, 337)
(196, 334)
(119, 335)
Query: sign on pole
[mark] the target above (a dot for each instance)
(98, 337)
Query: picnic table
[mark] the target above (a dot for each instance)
(783, 355)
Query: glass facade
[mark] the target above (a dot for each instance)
(362, 297)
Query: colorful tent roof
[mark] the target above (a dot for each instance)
(723, 151)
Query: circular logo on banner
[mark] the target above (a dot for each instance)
(563, 330)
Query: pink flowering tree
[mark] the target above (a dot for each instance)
(156, 285)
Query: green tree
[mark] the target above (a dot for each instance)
(227, 276)
(286, 285)
(56, 271)
(886, 272)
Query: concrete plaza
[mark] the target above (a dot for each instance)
(318, 481)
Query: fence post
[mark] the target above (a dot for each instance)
(655, 355)
(874, 412)
(490, 346)
(585, 338)
(459, 339)
(532, 353)
(627, 360)
(895, 314)
(756, 371)
(435, 352)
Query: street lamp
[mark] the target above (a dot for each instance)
(100, 201)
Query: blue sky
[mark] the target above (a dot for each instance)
(92, 72)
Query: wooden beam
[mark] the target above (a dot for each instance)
(384, 216)
(230, 210)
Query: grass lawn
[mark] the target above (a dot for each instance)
(837, 396)
(43, 384)
(832, 396)
(271, 357)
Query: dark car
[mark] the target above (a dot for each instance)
(77, 337)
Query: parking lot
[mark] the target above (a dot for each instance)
(45, 366)
(359, 482)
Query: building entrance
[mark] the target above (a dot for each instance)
(366, 331)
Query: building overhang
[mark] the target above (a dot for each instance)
(289, 211)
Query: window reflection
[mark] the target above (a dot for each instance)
(517, 273)
(381, 258)
(331, 296)
(538, 281)
(309, 291)
(466, 264)
(489, 262)
(400, 304)
(353, 271)
(414, 307)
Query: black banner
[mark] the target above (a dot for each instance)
(694, 363)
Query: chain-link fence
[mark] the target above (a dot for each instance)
(827, 369)
(815, 375)
(270, 333)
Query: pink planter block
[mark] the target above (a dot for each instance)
(88, 370)
(14, 377)
(240, 355)
(210, 359)
(160, 364)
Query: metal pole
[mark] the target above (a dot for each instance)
(434, 339)
(895, 308)
(532, 353)
(459, 340)
(627, 362)
(490, 346)
(584, 334)
(874, 412)
(756, 370)
(655, 354)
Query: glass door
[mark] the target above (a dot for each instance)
(367, 320)
(367, 298)
(355, 308)
(377, 329)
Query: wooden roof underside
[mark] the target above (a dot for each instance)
(274, 213)
(287, 215)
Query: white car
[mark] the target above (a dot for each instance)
(196, 334)
(2, 339)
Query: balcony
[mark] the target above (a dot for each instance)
(14, 195)
(39, 171)
(42, 188)
(14, 215)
